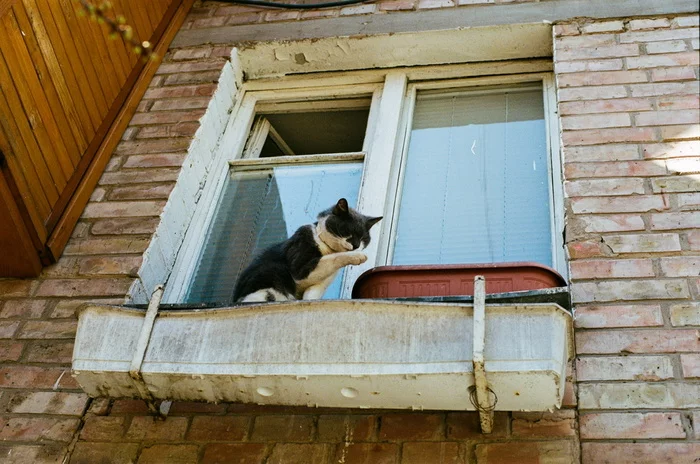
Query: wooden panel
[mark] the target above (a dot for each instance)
(64, 82)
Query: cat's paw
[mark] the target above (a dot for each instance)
(356, 257)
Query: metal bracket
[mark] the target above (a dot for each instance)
(162, 408)
(480, 395)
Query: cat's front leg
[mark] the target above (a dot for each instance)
(322, 276)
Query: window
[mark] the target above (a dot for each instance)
(463, 171)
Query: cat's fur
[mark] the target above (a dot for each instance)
(303, 266)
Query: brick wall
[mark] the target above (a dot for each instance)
(628, 95)
(628, 100)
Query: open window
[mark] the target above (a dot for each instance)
(463, 171)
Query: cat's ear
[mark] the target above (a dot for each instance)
(370, 221)
(341, 208)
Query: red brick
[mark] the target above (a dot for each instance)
(691, 365)
(637, 341)
(10, 350)
(601, 92)
(169, 117)
(639, 453)
(49, 329)
(122, 265)
(411, 427)
(190, 407)
(667, 34)
(603, 187)
(8, 328)
(667, 60)
(646, 368)
(672, 74)
(438, 453)
(611, 268)
(664, 118)
(24, 309)
(126, 226)
(169, 454)
(663, 88)
(608, 223)
(151, 428)
(668, 221)
(641, 24)
(597, 136)
(282, 428)
(366, 453)
(681, 266)
(157, 160)
(600, 78)
(338, 428)
(127, 406)
(226, 428)
(396, 5)
(566, 29)
(30, 376)
(118, 209)
(208, 22)
(595, 121)
(246, 18)
(605, 153)
(694, 239)
(192, 53)
(201, 90)
(78, 287)
(190, 103)
(627, 204)
(49, 351)
(103, 428)
(142, 147)
(35, 429)
(239, 453)
(586, 41)
(603, 26)
(615, 169)
(591, 317)
(543, 424)
(113, 453)
(138, 177)
(466, 426)
(586, 249)
(101, 246)
(585, 292)
(15, 288)
(594, 52)
(34, 454)
(282, 15)
(613, 64)
(526, 453)
(287, 453)
(367, 8)
(643, 243)
(71, 404)
(666, 46)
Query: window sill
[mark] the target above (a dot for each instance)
(333, 353)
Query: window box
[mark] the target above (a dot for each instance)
(333, 353)
(453, 279)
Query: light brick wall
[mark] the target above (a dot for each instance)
(630, 152)
(628, 100)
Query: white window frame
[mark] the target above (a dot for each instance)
(393, 100)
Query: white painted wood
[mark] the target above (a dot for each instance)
(230, 147)
(145, 334)
(226, 354)
(479, 342)
(414, 73)
(315, 93)
(314, 105)
(373, 200)
(259, 163)
(279, 141)
(256, 138)
(556, 175)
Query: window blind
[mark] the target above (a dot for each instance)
(260, 208)
(476, 181)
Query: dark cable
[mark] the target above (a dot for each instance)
(301, 6)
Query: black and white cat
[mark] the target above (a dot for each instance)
(303, 266)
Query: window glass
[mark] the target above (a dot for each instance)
(476, 181)
(263, 207)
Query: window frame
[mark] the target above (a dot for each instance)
(393, 96)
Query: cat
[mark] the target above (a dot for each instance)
(303, 266)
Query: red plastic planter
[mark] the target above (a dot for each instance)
(453, 279)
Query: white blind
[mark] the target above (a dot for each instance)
(261, 208)
(476, 181)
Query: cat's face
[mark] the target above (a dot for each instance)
(346, 229)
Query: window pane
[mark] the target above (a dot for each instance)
(476, 182)
(261, 208)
